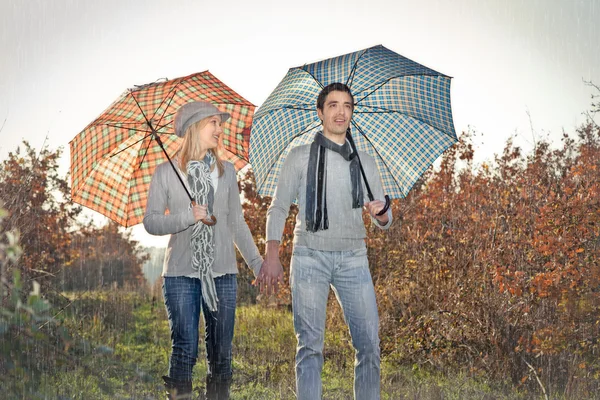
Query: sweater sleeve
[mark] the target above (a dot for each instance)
(285, 192)
(242, 237)
(156, 222)
(376, 187)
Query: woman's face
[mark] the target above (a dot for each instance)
(209, 132)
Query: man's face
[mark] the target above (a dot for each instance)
(336, 113)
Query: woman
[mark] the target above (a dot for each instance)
(202, 274)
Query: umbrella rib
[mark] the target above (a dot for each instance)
(351, 76)
(305, 131)
(386, 111)
(116, 126)
(312, 76)
(299, 108)
(376, 151)
(142, 111)
(111, 122)
(131, 129)
(377, 88)
(308, 129)
(141, 130)
(394, 77)
(133, 144)
(159, 127)
(145, 152)
(172, 94)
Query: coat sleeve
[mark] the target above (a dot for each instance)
(242, 237)
(156, 222)
(285, 192)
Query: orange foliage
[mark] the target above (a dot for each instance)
(495, 265)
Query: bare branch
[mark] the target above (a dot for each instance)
(537, 378)
(532, 131)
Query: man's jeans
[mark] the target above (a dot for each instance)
(312, 272)
(182, 299)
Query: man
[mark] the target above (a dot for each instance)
(329, 246)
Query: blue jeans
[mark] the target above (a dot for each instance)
(347, 272)
(183, 297)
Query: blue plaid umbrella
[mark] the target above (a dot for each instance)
(402, 116)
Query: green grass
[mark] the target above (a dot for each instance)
(127, 349)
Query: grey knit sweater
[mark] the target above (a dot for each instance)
(167, 193)
(346, 226)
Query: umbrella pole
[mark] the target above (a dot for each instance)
(362, 172)
(155, 135)
(211, 219)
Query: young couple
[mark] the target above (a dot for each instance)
(329, 247)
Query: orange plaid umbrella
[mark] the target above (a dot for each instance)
(113, 158)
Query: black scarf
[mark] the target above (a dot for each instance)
(316, 181)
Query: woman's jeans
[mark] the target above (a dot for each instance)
(183, 299)
(347, 272)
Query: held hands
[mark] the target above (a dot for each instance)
(374, 207)
(271, 273)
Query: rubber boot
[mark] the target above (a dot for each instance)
(177, 390)
(217, 390)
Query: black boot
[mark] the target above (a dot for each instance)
(178, 390)
(217, 390)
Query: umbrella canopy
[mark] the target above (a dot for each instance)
(114, 157)
(402, 116)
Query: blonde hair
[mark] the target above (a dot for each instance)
(190, 147)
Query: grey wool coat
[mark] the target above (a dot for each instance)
(167, 193)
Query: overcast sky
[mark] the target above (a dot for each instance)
(63, 62)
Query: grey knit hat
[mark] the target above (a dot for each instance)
(190, 113)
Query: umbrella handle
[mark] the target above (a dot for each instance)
(210, 221)
(362, 172)
(386, 207)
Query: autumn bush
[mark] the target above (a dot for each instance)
(105, 257)
(60, 251)
(36, 198)
(494, 268)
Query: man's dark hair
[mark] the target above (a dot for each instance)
(333, 87)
